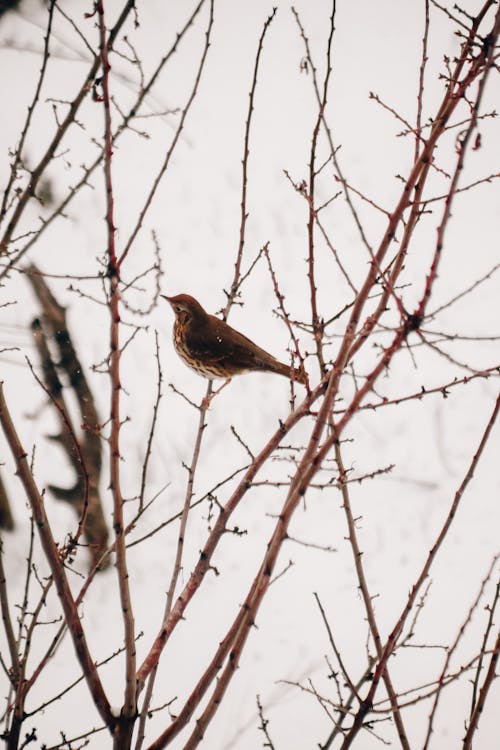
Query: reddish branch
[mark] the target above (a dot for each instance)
(177, 561)
(18, 158)
(450, 651)
(7, 621)
(38, 171)
(151, 675)
(284, 314)
(328, 133)
(396, 631)
(490, 676)
(234, 289)
(149, 667)
(218, 530)
(491, 609)
(125, 724)
(171, 148)
(52, 556)
(443, 389)
(122, 127)
(232, 645)
(488, 52)
(246, 151)
(315, 452)
(317, 325)
(454, 94)
(468, 67)
(367, 598)
(421, 79)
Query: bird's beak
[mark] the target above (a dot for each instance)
(167, 298)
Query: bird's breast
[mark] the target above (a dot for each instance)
(201, 363)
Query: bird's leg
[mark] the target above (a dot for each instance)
(219, 389)
(208, 399)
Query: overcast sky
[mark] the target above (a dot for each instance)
(196, 218)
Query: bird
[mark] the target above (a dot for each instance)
(214, 349)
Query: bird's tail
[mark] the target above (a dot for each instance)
(294, 373)
(299, 374)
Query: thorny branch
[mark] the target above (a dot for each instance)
(125, 725)
(337, 398)
(58, 572)
(39, 170)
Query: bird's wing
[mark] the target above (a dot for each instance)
(216, 342)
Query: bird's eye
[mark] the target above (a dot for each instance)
(177, 308)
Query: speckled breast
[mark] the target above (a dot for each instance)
(206, 369)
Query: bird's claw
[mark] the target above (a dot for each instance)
(207, 400)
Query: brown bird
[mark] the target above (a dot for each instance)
(215, 350)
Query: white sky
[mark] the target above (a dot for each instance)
(196, 215)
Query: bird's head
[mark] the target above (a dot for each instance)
(185, 307)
